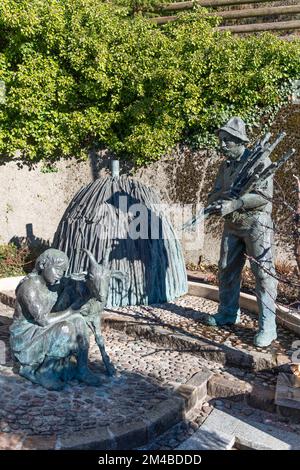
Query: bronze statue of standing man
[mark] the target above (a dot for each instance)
(248, 229)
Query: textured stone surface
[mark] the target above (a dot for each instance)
(142, 393)
(196, 418)
(181, 431)
(149, 376)
(95, 439)
(184, 319)
(262, 396)
(220, 386)
(287, 394)
(204, 439)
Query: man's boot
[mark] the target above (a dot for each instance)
(220, 319)
(264, 338)
(267, 330)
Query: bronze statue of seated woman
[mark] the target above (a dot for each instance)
(53, 318)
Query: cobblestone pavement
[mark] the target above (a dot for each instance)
(181, 431)
(187, 313)
(144, 377)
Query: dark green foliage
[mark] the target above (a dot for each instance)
(82, 74)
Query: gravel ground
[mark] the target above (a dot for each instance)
(187, 314)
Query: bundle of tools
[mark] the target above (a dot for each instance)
(251, 174)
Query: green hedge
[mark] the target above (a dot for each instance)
(81, 74)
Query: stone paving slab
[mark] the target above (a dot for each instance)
(287, 396)
(222, 429)
(204, 439)
(197, 417)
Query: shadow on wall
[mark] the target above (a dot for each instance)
(30, 240)
(28, 248)
(100, 164)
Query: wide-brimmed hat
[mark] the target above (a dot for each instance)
(236, 127)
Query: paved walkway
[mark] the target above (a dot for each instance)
(148, 374)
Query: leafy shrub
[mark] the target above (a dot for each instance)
(82, 74)
(18, 260)
(137, 6)
(12, 260)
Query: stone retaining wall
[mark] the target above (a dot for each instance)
(183, 177)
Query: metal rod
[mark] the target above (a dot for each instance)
(115, 168)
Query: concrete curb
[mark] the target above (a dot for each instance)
(115, 437)
(222, 430)
(163, 416)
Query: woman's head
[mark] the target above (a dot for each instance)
(52, 265)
